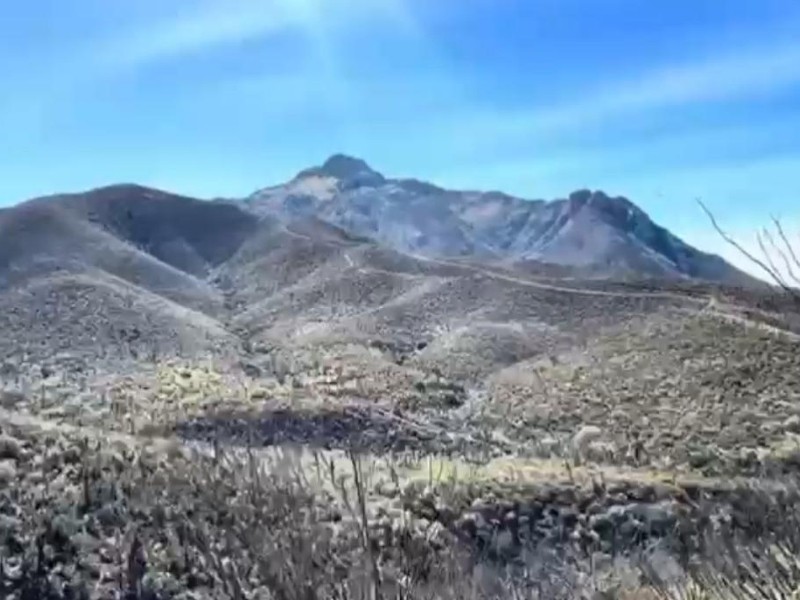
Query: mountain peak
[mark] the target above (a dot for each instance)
(617, 208)
(347, 169)
(344, 166)
(588, 228)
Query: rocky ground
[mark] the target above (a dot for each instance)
(668, 391)
(90, 514)
(314, 416)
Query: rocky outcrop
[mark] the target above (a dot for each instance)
(589, 229)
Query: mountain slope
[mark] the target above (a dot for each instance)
(93, 317)
(163, 243)
(587, 230)
(139, 290)
(186, 233)
(451, 272)
(115, 273)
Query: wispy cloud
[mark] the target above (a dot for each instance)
(743, 154)
(729, 76)
(131, 37)
(721, 78)
(210, 24)
(197, 27)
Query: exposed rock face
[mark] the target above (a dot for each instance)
(588, 229)
(352, 172)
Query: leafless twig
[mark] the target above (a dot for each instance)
(768, 264)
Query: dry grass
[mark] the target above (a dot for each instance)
(437, 404)
(107, 518)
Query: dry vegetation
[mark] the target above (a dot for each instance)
(324, 418)
(87, 515)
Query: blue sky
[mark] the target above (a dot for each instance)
(661, 101)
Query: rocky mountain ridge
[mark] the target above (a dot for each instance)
(588, 230)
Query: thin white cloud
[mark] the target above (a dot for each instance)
(721, 78)
(199, 26)
(691, 162)
(726, 77)
(196, 28)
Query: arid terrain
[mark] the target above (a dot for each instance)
(202, 400)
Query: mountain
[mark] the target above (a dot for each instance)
(346, 288)
(142, 332)
(162, 242)
(588, 230)
(340, 254)
(115, 271)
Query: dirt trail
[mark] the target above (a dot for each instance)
(533, 283)
(562, 289)
(728, 313)
(703, 305)
(530, 282)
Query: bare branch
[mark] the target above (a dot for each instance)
(768, 267)
(789, 248)
(787, 264)
(768, 257)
